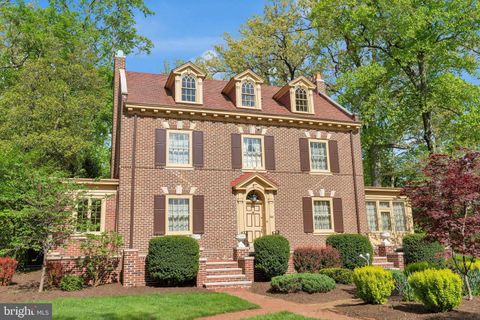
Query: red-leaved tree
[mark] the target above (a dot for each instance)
(447, 206)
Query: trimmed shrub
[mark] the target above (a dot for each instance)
(173, 260)
(374, 284)
(438, 290)
(271, 255)
(71, 283)
(8, 266)
(416, 249)
(351, 246)
(402, 288)
(418, 266)
(307, 282)
(340, 275)
(312, 259)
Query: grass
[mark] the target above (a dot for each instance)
(149, 306)
(280, 316)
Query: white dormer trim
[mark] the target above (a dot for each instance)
(236, 84)
(308, 86)
(174, 82)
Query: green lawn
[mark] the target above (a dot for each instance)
(148, 306)
(280, 316)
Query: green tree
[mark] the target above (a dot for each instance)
(56, 78)
(425, 48)
(278, 46)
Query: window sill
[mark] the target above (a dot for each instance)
(187, 233)
(302, 112)
(322, 173)
(323, 233)
(254, 170)
(249, 108)
(179, 168)
(83, 235)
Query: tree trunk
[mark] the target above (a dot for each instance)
(427, 130)
(467, 284)
(44, 271)
(374, 165)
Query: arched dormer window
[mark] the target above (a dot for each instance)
(248, 94)
(301, 100)
(189, 88)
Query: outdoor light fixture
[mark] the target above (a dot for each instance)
(253, 196)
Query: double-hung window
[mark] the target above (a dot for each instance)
(319, 156)
(301, 100)
(322, 215)
(253, 152)
(179, 148)
(189, 88)
(372, 215)
(248, 94)
(179, 214)
(89, 215)
(399, 214)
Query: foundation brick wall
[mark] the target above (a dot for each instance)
(72, 266)
(247, 266)
(213, 181)
(133, 269)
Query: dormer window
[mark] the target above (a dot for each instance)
(248, 94)
(301, 100)
(189, 88)
(186, 84)
(244, 90)
(297, 95)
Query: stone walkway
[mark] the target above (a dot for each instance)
(273, 305)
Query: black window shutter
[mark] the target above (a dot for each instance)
(334, 158)
(307, 215)
(304, 155)
(338, 214)
(236, 151)
(198, 214)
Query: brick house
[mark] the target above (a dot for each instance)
(227, 160)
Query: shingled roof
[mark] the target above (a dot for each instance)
(149, 89)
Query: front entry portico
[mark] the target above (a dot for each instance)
(255, 197)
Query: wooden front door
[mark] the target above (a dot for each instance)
(254, 220)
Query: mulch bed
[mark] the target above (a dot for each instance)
(25, 286)
(342, 292)
(395, 308)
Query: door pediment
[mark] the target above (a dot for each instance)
(244, 181)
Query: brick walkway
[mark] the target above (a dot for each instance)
(272, 305)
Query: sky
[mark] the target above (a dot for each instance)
(185, 29)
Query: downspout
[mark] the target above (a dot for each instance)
(355, 186)
(132, 187)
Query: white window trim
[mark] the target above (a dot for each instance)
(293, 100)
(257, 91)
(310, 156)
(190, 151)
(190, 213)
(378, 214)
(198, 88)
(323, 231)
(103, 212)
(261, 137)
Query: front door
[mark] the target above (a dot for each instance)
(254, 220)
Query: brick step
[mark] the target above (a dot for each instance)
(225, 278)
(221, 264)
(387, 265)
(223, 271)
(228, 284)
(379, 259)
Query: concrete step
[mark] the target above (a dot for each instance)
(223, 271)
(228, 284)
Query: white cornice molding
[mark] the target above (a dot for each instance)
(244, 117)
